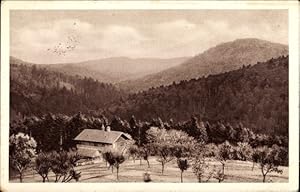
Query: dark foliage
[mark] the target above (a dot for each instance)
(36, 91)
(255, 95)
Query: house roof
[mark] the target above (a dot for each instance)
(100, 136)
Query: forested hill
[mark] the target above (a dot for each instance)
(221, 58)
(35, 90)
(255, 95)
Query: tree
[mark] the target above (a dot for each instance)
(219, 175)
(200, 166)
(108, 157)
(145, 152)
(183, 148)
(168, 144)
(183, 165)
(224, 153)
(43, 165)
(268, 160)
(115, 159)
(243, 151)
(165, 155)
(63, 164)
(132, 122)
(119, 159)
(183, 145)
(133, 152)
(21, 151)
(197, 130)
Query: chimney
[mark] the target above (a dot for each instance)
(108, 128)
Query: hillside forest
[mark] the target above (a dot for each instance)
(229, 112)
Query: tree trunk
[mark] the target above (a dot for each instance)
(44, 179)
(253, 166)
(223, 169)
(148, 163)
(199, 179)
(162, 167)
(21, 177)
(264, 174)
(140, 160)
(181, 176)
(118, 173)
(264, 178)
(112, 168)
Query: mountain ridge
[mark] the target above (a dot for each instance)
(220, 58)
(112, 69)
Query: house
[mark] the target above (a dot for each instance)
(91, 142)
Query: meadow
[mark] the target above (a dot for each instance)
(130, 171)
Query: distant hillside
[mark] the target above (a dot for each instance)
(116, 69)
(224, 57)
(16, 61)
(35, 90)
(255, 95)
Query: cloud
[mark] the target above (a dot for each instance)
(121, 39)
(163, 38)
(32, 42)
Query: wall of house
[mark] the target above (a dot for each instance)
(121, 144)
(92, 145)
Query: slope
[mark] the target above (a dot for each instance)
(116, 69)
(224, 57)
(255, 95)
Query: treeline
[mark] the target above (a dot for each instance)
(36, 91)
(56, 132)
(255, 95)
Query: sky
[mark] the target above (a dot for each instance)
(44, 37)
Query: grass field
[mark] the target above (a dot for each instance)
(235, 171)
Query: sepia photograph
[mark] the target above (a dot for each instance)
(149, 96)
